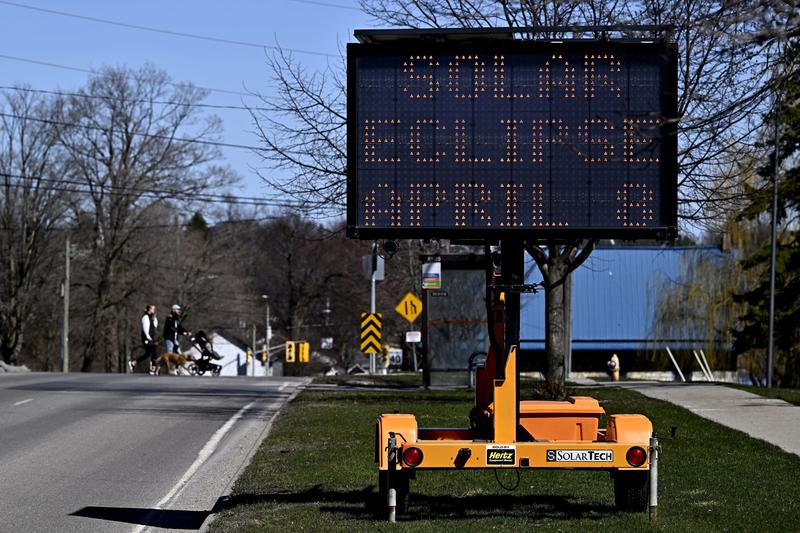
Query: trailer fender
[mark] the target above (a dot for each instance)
(404, 427)
(633, 429)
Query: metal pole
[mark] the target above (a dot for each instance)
(372, 362)
(653, 477)
(266, 338)
(65, 330)
(773, 245)
(391, 493)
(676, 365)
(392, 505)
(253, 350)
(567, 287)
(705, 362)
(702, 368)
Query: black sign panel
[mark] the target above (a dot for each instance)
(532, 138)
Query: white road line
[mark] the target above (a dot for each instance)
(23, 401)
(204, 453)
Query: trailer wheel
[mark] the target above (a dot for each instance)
(400, 482)
(631, 490)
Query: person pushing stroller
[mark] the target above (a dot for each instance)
(173, 329)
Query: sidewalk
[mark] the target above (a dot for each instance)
(769, 419)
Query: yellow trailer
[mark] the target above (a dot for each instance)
(506, 433)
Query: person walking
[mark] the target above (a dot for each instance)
(147, 329)
(173, 328)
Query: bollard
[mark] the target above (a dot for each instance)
(392, 505)
(653, 478)
(613, 367)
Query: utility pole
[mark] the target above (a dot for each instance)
(267, 332)
(773, 243)
(65, 325)
(253, 350)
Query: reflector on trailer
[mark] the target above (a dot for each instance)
(412, 457)
(636, 456)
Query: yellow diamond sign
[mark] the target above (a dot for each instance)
(410, 307)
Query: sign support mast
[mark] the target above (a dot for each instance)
(373, 368)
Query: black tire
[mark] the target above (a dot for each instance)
(400, 482)
(631, 490)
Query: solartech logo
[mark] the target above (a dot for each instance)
(580, 456)
(501, 454)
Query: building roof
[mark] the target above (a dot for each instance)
(614, 298)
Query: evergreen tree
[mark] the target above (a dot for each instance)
(752, 336)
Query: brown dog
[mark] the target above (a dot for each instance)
(169, 361)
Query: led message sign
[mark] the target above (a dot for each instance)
(541, 139)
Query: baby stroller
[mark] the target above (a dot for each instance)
(207, 354)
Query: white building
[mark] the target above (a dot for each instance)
(234, 358)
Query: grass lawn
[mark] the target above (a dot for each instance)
(315, 472)
(787, 395)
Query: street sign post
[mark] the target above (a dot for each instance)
(413, 336)
(410, 307)
(371, 325)
(432, 274)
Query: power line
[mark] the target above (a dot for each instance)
(135, 101)
(142, 227)
(138, 134)
(122, 190)
(326, 4)
(163, 31)
(89, 71)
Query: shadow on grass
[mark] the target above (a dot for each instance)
(364, 504)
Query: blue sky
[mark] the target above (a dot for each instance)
(300, 24)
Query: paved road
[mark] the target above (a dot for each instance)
(126, 453)
(768, 419)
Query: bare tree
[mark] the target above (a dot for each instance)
(303, 267)
(133, 141)
(32, 199)
(304, 130)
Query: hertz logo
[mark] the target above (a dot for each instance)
(498, 456)
(501, 455)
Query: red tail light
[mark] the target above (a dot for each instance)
(412, 456)
(636, 456)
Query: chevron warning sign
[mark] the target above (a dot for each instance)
(371, 324)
